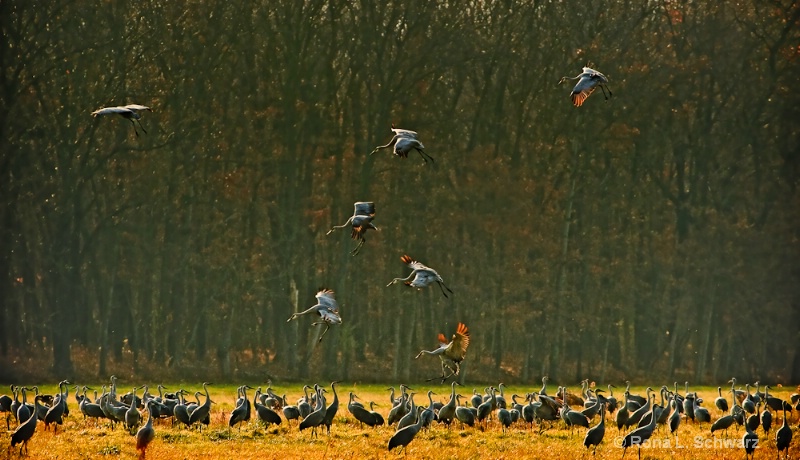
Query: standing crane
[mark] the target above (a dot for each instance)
(595, 434)
(721, 402)
(450, 353)
(202, 412)
(423, 276)
(331, 410)
(129, 112)
(749, 441)
(783, 438)
(360, 413)
(317, 417)
(639, 436)
(448, 412)
(132, 415)
(404, 436)
(588, 81)
(241, 413)
(146, 434)
(360, 221)
(327, 308)
(26, 429)
(404, 141)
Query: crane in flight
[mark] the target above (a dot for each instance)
(404, 141)
(450, 353)
(588, 81)
(360, 221)
(327, 308)
(129, 112)
(423, 276)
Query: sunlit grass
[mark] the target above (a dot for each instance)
(83, 439)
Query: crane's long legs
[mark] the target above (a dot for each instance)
(327, 326)
(134, 127)
(603, 88)
(358, 247)
(140, 125)
(443, 286)
(424, 154)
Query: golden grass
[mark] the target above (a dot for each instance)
(82, 439)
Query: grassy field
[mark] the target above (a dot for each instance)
(84, 440)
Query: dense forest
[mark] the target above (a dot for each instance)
(653, 235)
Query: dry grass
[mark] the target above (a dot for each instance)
(80, 439)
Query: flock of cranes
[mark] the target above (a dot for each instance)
(638, 417)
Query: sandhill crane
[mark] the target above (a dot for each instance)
(637, 415)
(401, 438)
(291, 412)
(721, 402)
(331, 410)
(411, 415)
(588, 81)
(19, 409)
(428, 413)
(504, 417)
(317, 417)
(26, 429)
(774, 403)
(56, 412)
(360, 221)
(448, 412)
(264, 413)
(701, 414)
(423, 276)
(5, 406)
(404, 141)
(465, 415)
(360, 413)
(202, 412)
(572, 418)
(146, 434)
(90, 409)
(783, 438)
(623, 415)
(749, 441)
(129, 112)
(327, 308)
(766, 420)
(379, 421)
(675, 417)
(639, 436)
(637, 400)
(594, 435)
(450, 353)
(132, 415)
(241, 413)
(485, 408)
(181, 410)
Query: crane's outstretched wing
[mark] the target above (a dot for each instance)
(326, 298)
(112, 110)
(364, 208)
(137, 107)
(460, 340)
(413, 264)
(404, 132)
(585, 87)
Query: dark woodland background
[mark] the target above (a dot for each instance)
(651, 236)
